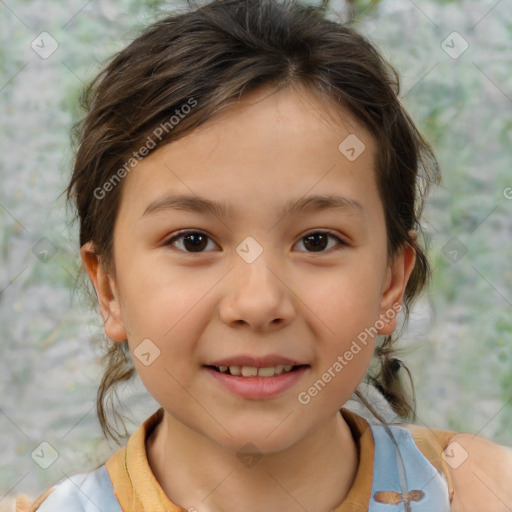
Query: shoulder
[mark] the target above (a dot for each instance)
(82, 492)
(481, 472)
(478, 471)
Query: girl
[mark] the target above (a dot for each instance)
(249, 188)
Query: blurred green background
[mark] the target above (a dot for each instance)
(454, 59)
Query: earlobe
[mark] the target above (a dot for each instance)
(106, 292)
(398, 274)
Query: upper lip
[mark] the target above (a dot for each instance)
(256, 361)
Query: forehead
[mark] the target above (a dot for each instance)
(259, 148)
(278, 118)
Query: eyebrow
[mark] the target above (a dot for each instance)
(307, 204)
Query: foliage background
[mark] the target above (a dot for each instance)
(460, 335)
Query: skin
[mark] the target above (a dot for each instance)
(482, 481)
(270, 148)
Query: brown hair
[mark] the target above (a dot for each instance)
(211, 55)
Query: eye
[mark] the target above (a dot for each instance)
(196, 241)
(318, 240)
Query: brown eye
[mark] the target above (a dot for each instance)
(319, 240)
(196, 241)
(191, 241)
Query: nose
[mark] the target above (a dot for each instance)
(257, 295)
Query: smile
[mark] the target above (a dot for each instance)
(253, 371)
(256, 383)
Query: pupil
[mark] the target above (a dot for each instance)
(316, 245)
(196, 242)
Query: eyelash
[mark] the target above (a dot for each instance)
(181, 234)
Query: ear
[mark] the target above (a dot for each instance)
(106, 291)
(398, 274)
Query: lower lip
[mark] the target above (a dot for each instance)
(258, 388)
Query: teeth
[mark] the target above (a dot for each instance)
(266, 372)
(252, 371)
(249, 371)
(234, 370)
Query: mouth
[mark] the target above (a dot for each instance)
(257, 382)
(254, 371)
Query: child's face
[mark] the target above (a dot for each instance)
(220, 303)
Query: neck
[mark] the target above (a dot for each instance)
(197, 474)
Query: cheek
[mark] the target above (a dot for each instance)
(165, 319)
(161, 304)
(346, 310)
(345, 301)
(169, 344)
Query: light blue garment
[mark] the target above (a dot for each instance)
(399, 467)
(83, 492)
